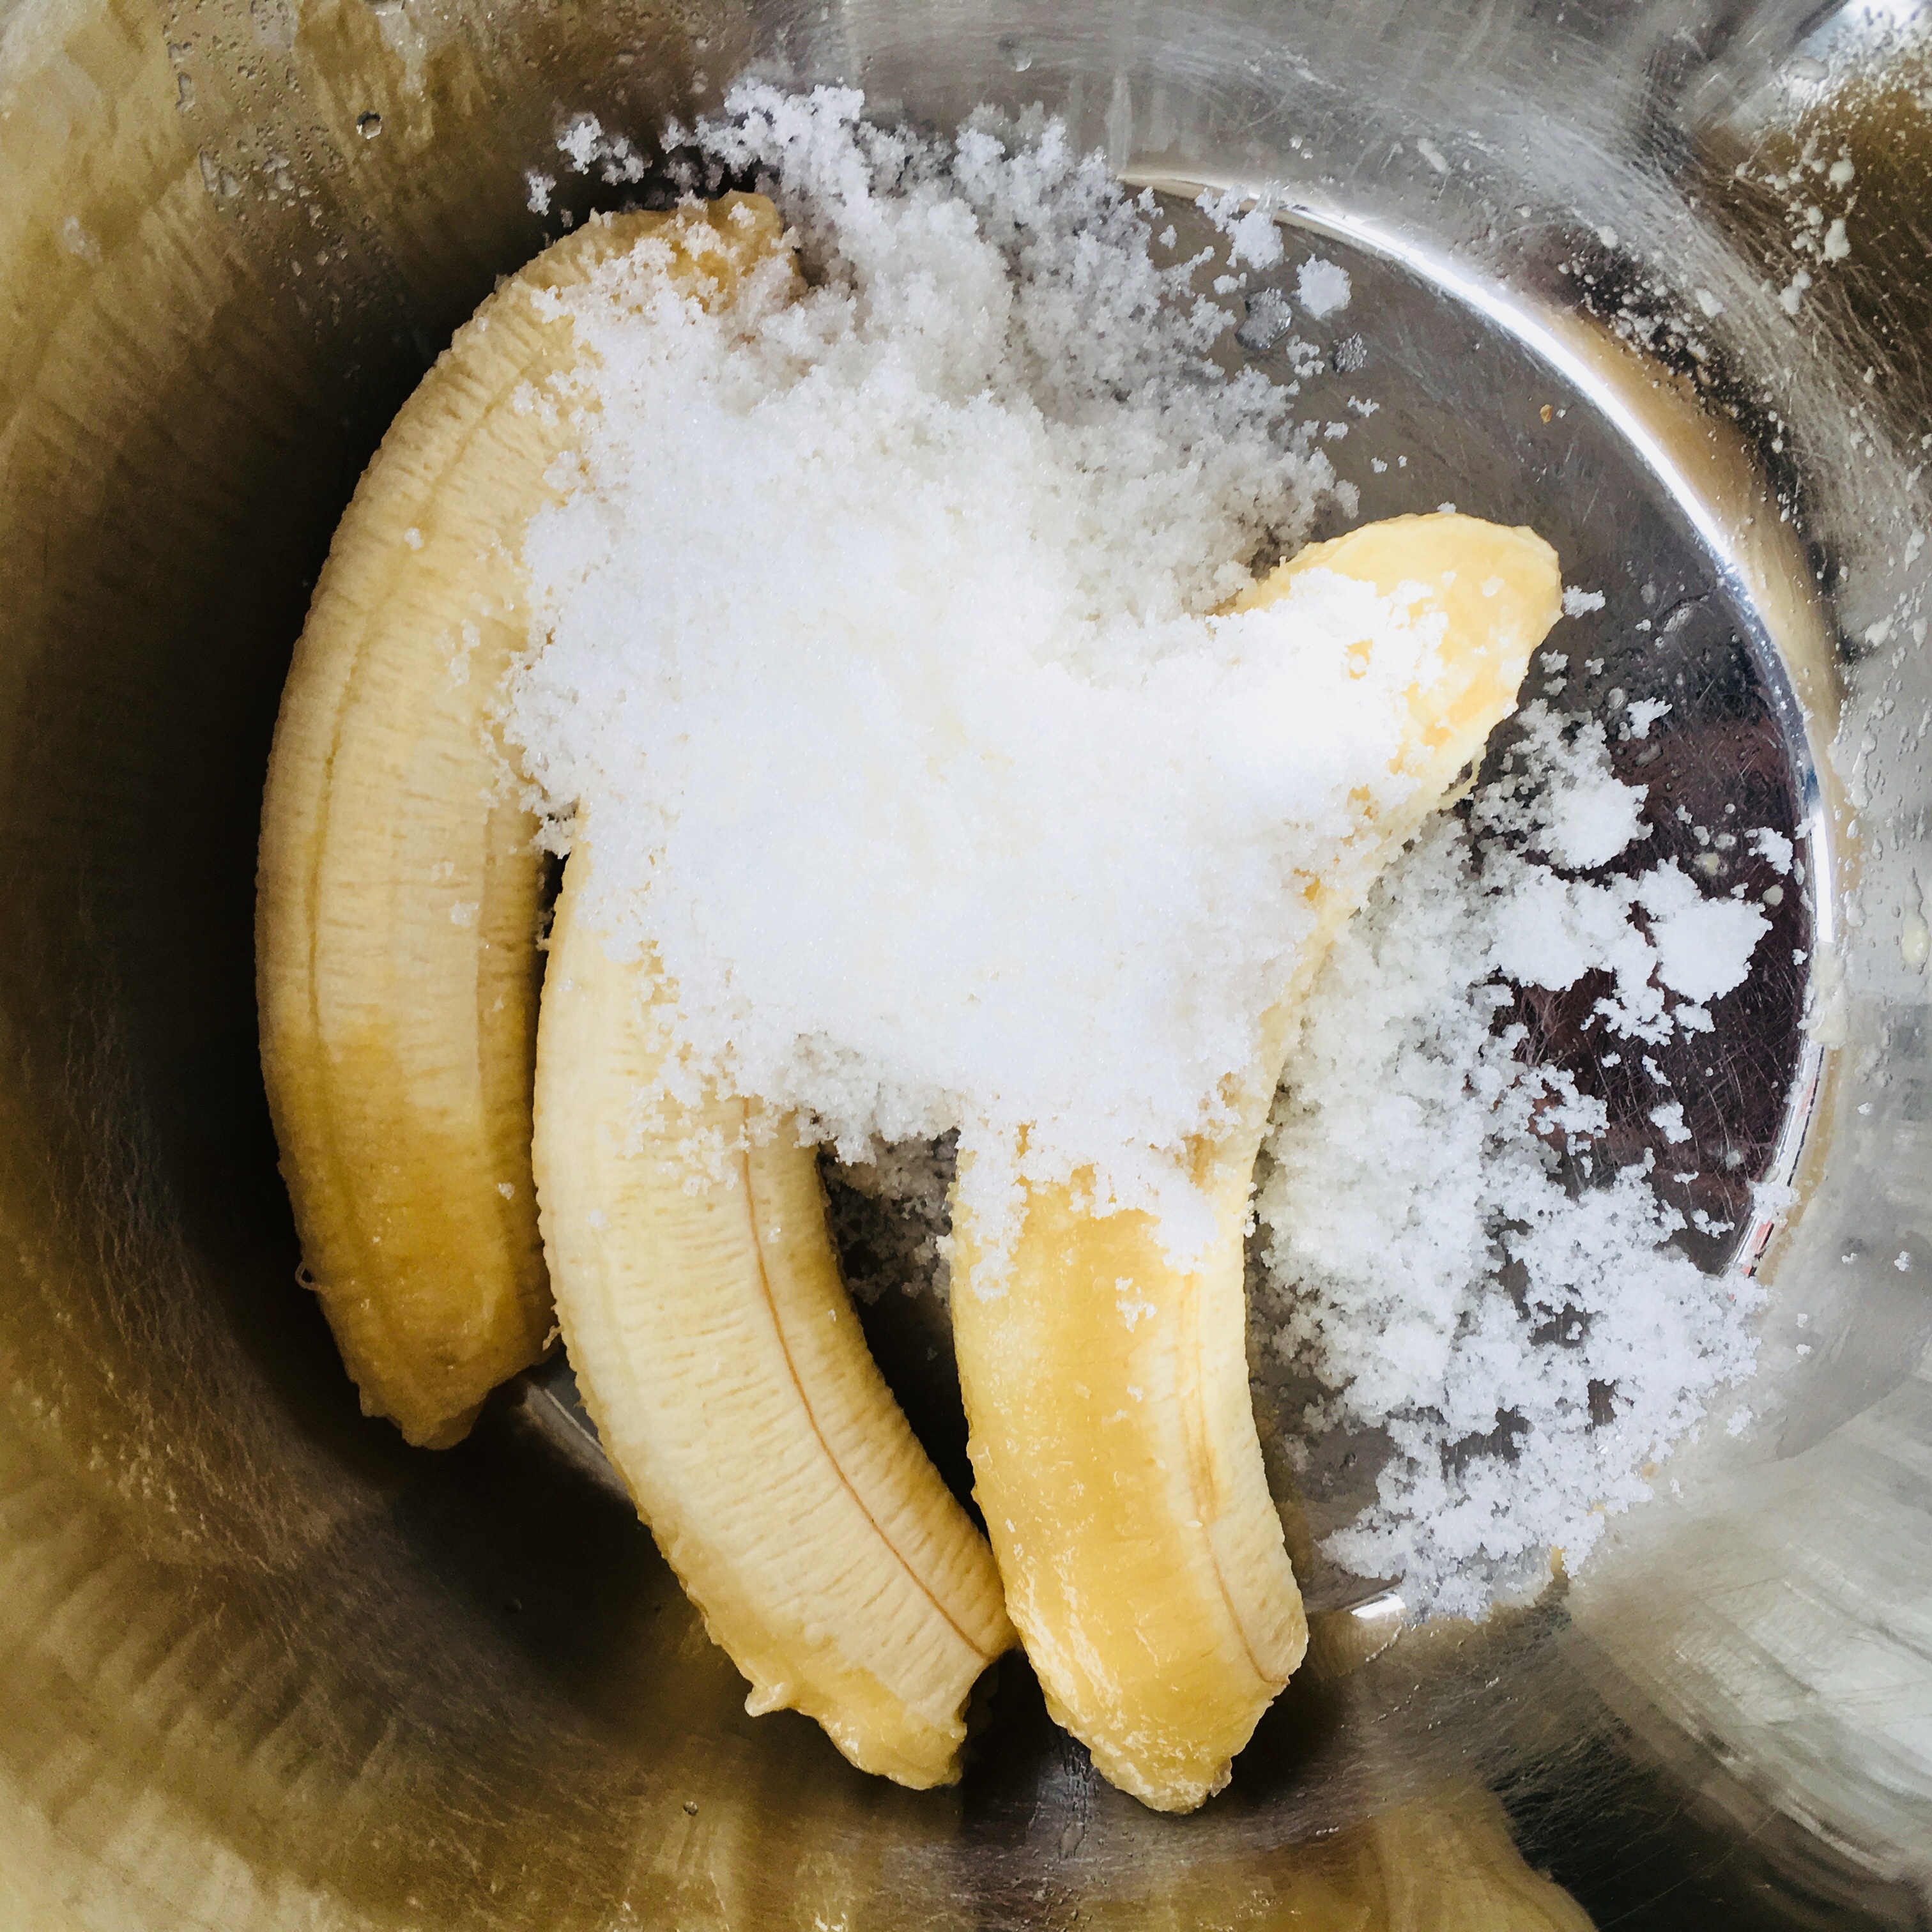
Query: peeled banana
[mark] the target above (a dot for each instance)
(398, 909)
(398, 896)
(1112, 1438)
(715, 1345)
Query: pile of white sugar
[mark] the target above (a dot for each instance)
(877, 648)
(873, 648)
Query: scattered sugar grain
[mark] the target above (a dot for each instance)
(579, 140)
(1413, 1153)
(1256, 239)
(1703, 946)
(1642, 715)
(1772, 846)
(1324, 287)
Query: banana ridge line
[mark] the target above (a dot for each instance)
(805, 1402)
(1197, 1434)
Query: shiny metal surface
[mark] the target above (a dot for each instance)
(260, 1666)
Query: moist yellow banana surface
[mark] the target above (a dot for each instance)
(720, 1357)
(1113, 1438)
(398, 893)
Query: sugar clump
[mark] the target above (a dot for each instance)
(1324, 287)
(1254, 236)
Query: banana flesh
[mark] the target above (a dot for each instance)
(714, 1343)
(399, 892)
(1113, 1438)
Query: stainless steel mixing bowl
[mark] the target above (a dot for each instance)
(260, 1665)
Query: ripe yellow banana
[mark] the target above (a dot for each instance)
(1112, 1435)
(399, 892)
(715, 1345)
